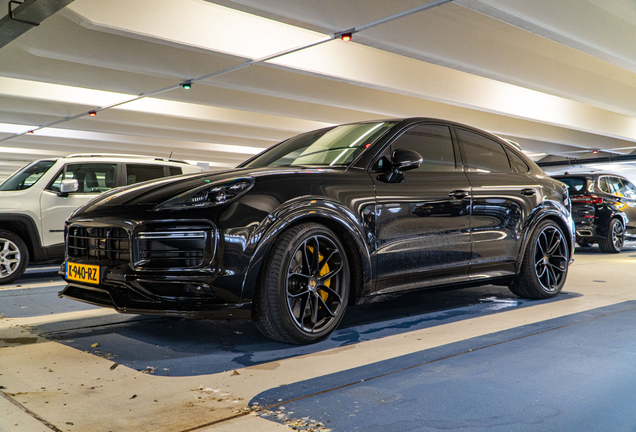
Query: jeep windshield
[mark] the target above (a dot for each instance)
(338, 146)
(26, 176)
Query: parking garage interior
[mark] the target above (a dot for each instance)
(215, 82)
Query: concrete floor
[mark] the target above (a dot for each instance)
(472, 359)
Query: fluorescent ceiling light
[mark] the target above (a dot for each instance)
(127, 139)
(26, 89)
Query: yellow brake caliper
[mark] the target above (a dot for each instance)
(323, 271)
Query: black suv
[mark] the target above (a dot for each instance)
(293, 235)
(603, 208)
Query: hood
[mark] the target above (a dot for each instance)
(154, 192)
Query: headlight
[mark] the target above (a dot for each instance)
(209, 195)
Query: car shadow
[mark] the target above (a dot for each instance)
(179, 347)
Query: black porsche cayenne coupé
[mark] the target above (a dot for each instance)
(298, 232)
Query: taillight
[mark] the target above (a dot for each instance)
(587, 199)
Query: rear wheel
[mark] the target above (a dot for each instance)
(545, 263)
(615, 239)
(304, 288)
(14, 257)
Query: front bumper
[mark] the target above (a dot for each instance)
(130, 298)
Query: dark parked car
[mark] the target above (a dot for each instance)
(603, 209)
(298, 232)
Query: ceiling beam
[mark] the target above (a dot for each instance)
(23, 16)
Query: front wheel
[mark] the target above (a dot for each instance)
(14, 257)
(304, 287)
(545, 264)
(615, 239)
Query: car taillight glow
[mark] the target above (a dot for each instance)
(587, 199)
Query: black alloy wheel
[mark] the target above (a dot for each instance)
(304, 287)
(14, 257)
(615, 239)
(545, 264)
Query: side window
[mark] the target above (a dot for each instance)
(603, 186)
(517, 162)
(175, 171)
(433, 142)
(629, 189)
(92, 178)
(616, 186)
(136, 173)
(482, 153)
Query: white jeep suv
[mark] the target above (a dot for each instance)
(38, 198)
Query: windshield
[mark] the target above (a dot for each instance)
(26, 176)
(338, 146)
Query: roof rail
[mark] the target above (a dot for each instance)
(78, 155)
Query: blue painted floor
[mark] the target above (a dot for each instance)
(541, 377)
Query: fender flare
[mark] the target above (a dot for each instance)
(548, 210)
(602, 230)
(28, 232)
(306, 209)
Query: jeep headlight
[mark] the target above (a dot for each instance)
(209, 195)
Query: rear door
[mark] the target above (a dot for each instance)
(504, 195)
(422, 222)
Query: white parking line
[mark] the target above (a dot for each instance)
(32, 285)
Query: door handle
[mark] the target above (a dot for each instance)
(528, 192)
(459, 194)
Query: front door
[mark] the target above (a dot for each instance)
(93, 179)
(422, 222)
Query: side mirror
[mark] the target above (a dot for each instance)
(402, 160)
(68, 186)
(405, 159)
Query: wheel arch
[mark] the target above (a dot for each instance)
(333, 215)
(553, 212)
(25, 228)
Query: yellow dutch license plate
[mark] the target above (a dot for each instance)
(82, 272)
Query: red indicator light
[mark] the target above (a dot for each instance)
(30, 132)
(367, 145)
(594, 151)
(345, 37)
(92, 114)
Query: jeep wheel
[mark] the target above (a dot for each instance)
(14, 257)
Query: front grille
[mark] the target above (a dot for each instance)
(98, 243)
(172, 249)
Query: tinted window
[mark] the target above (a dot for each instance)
(518, 163)
(175, 171)
(433, 142)
(140, 173)
(482, 153)
(26, 176)
(576, 186)
(92, 178)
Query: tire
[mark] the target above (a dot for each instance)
(545, 264)
(302, 296)
(615, 239)
(14, 257)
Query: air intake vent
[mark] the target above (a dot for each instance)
(98, 243)
(172, 249)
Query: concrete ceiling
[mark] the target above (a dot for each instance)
(558, 77)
